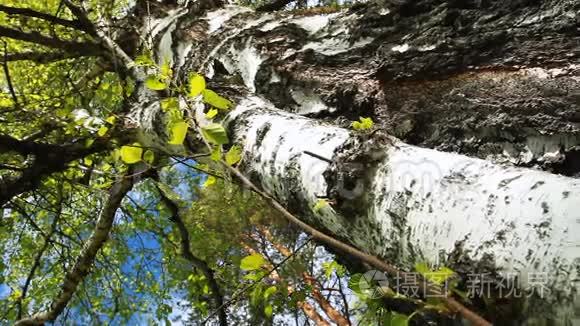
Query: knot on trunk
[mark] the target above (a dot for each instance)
(350, 175)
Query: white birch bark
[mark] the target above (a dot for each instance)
(422, 205)
(404, 203)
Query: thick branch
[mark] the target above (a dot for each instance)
(48, 159)
(45, 56)
(37, 38)
(86, 258)
(44, 16)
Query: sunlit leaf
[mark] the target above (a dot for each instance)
(252, 262)
(102, 131)
(320, 204)
(170, 103)
(131, 154)
(178, 133)
(211, 113)
(196, 85)
(363, 124)
(211, 180)
(154, 82)
(215, 134)
(212, 98)
(216, 153)
(234, 155)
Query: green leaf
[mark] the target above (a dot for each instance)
(111, 119)
(209, 181)
(102, 131)
(422, 268)
(215, 134)
(216, 153)
(320, 204)
(212, 98)
(363, 124)
(269, 291)
(149, 157)
(154, 82)
(252, 262)
(399, 319)
(211, 113)
(178, 132)
(170, 103)
(234, 155)
(438, 277)
(166, 71)
(196, 85)
(441, 275)
(268, 310)
(144, 60)
(131, 154)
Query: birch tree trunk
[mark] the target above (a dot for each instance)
(474, 160)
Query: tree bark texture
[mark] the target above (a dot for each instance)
(477, 104)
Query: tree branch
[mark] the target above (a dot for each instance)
(86, 258)
(36, 14)
(55, 43)
(116, 52)
(8, 79)
(195, 261)
(48, 159)
(45, 57)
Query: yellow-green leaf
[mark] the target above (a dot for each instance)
(269, 291)
(178, 132)
(111, 119)
(149, 157)
(154, 82)
(215, 134)
(422, 268)
(211, 113)
(102, 131)
(88, 161)
(144, 60)
(320, 204)
(268, 310)
(252, 262)
(170, 103)
(216, 153)
(166, 71)
(212, 98)
(234, 155)
(209, 181)
(131, 154)
(196, 85)
(363, 124)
